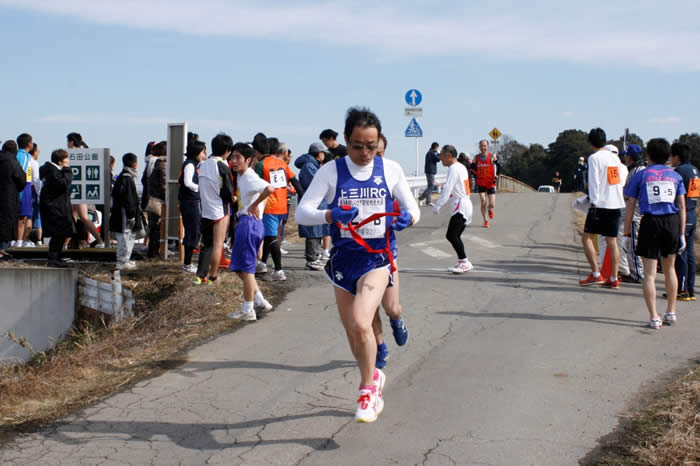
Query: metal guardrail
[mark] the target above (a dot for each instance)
(506, 184)
(419, 183)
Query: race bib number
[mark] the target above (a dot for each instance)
(366, 208)
(613, 175)
(278, 178)
(694, 187)
(661, 191)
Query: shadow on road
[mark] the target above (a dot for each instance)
(528, 316)
(195, 436)
(192, 367)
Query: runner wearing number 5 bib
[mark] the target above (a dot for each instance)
(660, 192)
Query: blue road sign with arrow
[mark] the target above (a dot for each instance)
(413, 97)
(414, 130)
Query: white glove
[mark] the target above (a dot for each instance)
(682, 248)
(436, 209)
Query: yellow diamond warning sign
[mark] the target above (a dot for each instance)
(495, 134)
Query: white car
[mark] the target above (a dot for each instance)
(545, 188)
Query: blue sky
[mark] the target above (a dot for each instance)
(118, 72)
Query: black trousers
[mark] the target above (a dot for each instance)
(454, 233)
(56, 246)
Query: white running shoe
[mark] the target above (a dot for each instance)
(285, 243)
(189, 268)
(369, 406)
(260, 267)
(126, 266)
(264, 305)
(461, 267)
(379, 381)
(278, 276)
(29, 244)
(670, 318)
(325, 255)
(284, 252)
(248, 316)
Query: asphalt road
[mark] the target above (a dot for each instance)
(511, 363)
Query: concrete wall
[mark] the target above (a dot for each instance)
(37, 304)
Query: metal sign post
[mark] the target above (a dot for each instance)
(177, 142)
(414, 131)
(413, 98)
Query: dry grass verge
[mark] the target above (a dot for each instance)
(664, 432)
(98, 358)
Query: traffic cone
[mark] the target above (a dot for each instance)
(606, 268)
(224, 263)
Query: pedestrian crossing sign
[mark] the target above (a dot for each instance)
(495, 134)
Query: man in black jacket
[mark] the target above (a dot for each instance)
(125, 219)
(432, 157)
(55, 206)
(12, 182)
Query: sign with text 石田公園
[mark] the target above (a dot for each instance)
(91, 176)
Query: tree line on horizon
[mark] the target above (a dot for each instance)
(536, 165)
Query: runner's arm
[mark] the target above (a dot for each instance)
(188, 178)
(447, 188)
(297, 186)
(629, 213)
(593, 180)
(680, 201)
(402, 193)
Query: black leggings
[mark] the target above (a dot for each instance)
(454, 231)
(272, 248)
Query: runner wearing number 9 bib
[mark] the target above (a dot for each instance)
(660, 193)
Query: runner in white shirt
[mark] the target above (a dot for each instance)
(359, 185)
(456, 189)
(253, 192)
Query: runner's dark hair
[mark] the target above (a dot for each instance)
(383, 138)
(23, 140)
(244, 149)
(129, 159)
(448, 149)
(682, 150)
(194, 148)
(220, 144)
(77, 140)
(58, 155)
(434, 146)
(328, 134)
(160, 149)
(273, 145)
(260, 144)
(10, 146)
(597, 138)
(35, 148)
(658, 150)
(149, 148)
(361, 117)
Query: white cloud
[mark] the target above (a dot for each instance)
(654, 36)
(669, 120)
